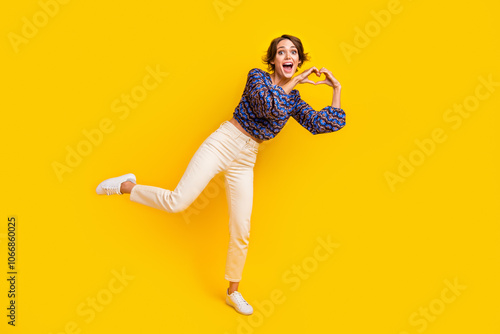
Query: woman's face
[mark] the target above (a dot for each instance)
(286, 59)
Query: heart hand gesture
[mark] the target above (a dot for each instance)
(330, 80)
(304, 76)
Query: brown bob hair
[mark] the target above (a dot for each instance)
(273, 49)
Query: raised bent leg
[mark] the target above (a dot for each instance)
(210, 159)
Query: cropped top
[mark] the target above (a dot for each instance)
(265, 108)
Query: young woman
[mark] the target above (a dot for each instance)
(268, 101)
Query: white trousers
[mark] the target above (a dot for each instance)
(226, 150)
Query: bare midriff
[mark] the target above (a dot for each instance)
(235, 122)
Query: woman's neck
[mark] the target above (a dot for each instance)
(278, 81)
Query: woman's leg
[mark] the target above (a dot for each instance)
(239, 192)
(126, 187)
(233, 286)
(212, 157)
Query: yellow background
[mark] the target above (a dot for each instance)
(398, 246)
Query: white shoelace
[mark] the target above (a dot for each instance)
(112, 190)
(239, 298)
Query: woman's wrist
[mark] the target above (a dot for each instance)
(336, 96)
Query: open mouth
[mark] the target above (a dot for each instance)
(288, 67)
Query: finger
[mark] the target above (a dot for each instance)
(305, 80)
(329, 75)
(308, 81)
(310, 70)
(323, 82)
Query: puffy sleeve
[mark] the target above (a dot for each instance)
(266, 100)
(328, 119)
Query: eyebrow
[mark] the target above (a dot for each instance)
(293, 46)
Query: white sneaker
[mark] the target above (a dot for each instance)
(112, 186)
(237, 301)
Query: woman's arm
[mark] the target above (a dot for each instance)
(328, 119)
(330, 80)
(336, 97)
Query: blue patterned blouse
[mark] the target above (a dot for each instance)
(265, 108)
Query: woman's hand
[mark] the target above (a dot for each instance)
(330, 79)
(303, 77)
